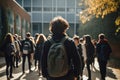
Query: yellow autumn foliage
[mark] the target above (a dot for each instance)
(99, 8)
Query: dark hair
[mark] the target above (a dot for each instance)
(58, 25)
(28, 34)
(76, 37)
(101, 36)
(88, 39)
(36, 35)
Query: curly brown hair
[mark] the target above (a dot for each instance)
(58, 25)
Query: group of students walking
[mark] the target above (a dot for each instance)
(58, 57)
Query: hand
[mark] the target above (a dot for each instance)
(75, 78)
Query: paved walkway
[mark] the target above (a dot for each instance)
(112, 73)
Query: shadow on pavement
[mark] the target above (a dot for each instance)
(111, 74)
(95, 74)
(2, 74)
(31, 76)
(19, 77)
(114, 63)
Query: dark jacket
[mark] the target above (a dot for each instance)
(103, 53)
(31, 43)
(72, 54)
(38, 51)
(5, 49)
(90, 50)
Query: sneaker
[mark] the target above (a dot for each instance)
(89, 79)
(8, 78)
(30, 71)
(11, 76)
(23, 72)
(17, 66)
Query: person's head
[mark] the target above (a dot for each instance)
(101, 36)
(16, 35)
(81, 40)
(28, 35)
(15, 38)
(58, 25)
(76, 39)
(9, 38)
(87, 38)
(41, 38)
(36, 35)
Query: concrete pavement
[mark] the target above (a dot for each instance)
(112, 73)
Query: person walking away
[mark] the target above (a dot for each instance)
(36, 37)
(103, 50)
(79, 48)
(17, 53)
(60, 58)
(18, 40)
(38, 51)
(32, 54)
(9, 50)
(27, 49)
(89, 53)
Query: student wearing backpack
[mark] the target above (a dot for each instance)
(9, 50)
(27, 49)
(103, 50)
(60, 59)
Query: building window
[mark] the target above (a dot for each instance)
(61, 3)
(61, 9)
(70, 10)
(53, 9)
(47, 17)
(78, 10)
(36, 17)
(71, 3)
(37, 3)
(27, 3)
(70, 18)
(47, 9)
(19, 1)
(37, 28)
(28, 9)
(46, 29)
(47, 3)
(18, 24)
(37, 8)
(61, 14)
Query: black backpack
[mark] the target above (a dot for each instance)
(26, 47)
